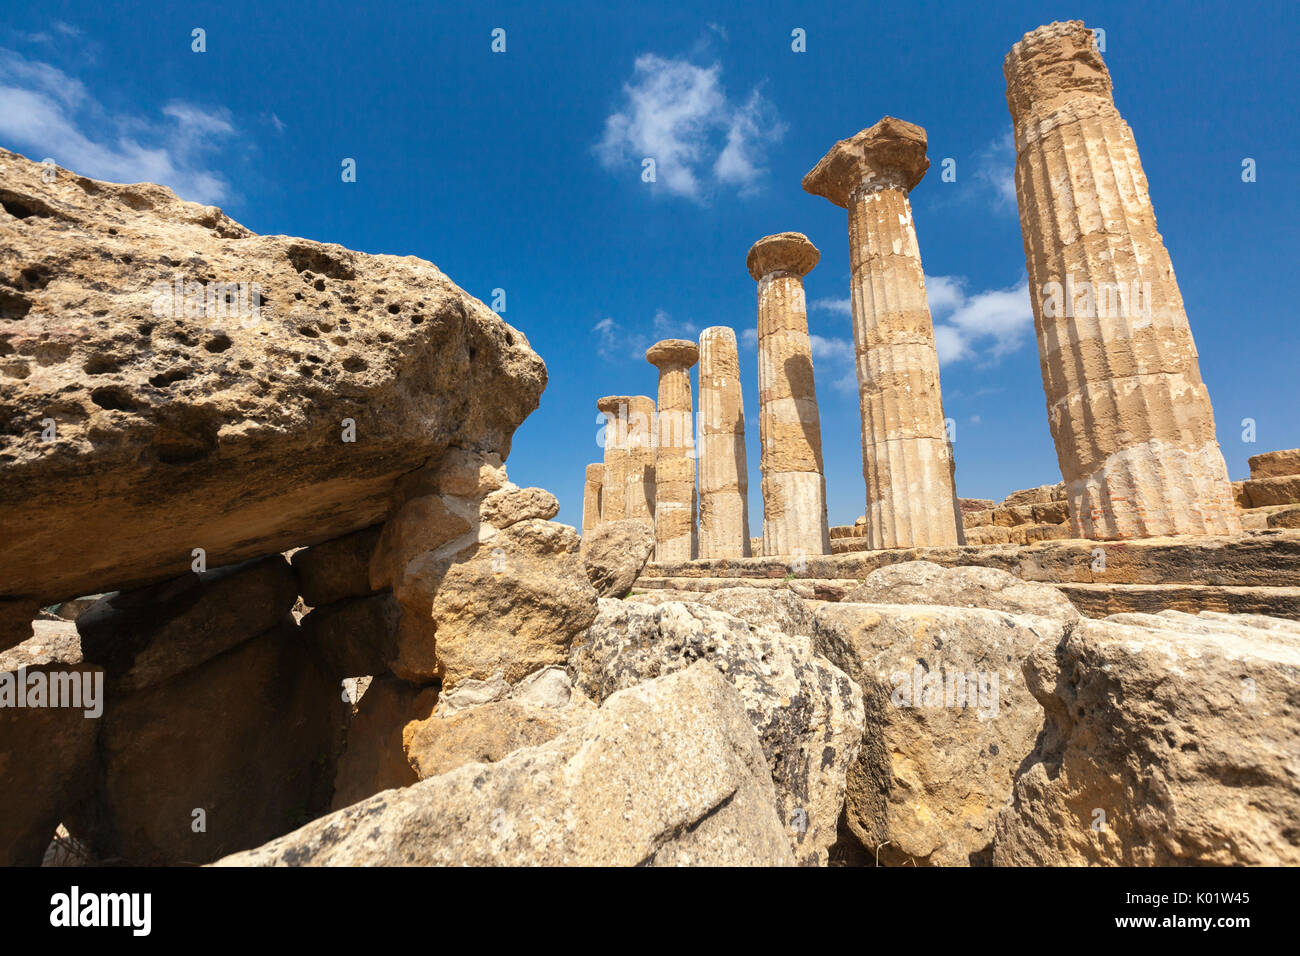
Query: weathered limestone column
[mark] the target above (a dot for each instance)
(640, 496)
(724, 479)
(675, 500)
(1131, 418)
(907, 458)
(789, 425)
(591, 496)
(613, 495)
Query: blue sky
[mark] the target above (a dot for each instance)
(522, 171)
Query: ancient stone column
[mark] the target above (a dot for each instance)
(789, 426)
(724, 480)
(675, 500)
(907, 458)
(640, 493)
(591, 496)
(613, 495)
(1130, 416)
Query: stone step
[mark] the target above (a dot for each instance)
(814, 589)
(1099, 600)
(1254, 559)
(1092, 600)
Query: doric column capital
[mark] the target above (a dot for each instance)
(614, 404)
(673, 354)
(1052, 65)
(890, 154)
(791, 252)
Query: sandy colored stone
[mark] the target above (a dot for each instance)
(1128, 410)
(217, 430)
(374, 758)
(512, 603)
(1275, 464)
(418, 525)
(988, 534)
(907, 460)
(675, 491)
(640, 480)
(922, 582)
(948, 723)
(1263, 492)
(1286, 518)
(336, 569)
(807, 713)
(667, 773)
(591, 488)
(763, 607)
(511, 504)
(150, 635)
(789, 423)
(724, 472)
(613, 498)
(1170, 739)
(615, 554)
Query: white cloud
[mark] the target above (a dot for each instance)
(842, 306)
(678, 114)
(619, 342)
(995, 172)
(985, 325)
(49, 114)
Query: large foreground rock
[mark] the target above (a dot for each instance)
(669, 772)
(220, 758)
(948, 723)
(808, 713)
(614, 554)
(1169, 739)
(203, 423)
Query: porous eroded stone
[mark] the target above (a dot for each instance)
(221, 419)
(1170, 739)
(949, 722)
(666, 773)
(511, 504)
(807, 713)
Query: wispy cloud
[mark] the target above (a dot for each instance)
(678, 114)
(984, 326)
(49, 114)
(995, 172)
(618, 341)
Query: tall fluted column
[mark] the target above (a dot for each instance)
(613, 496)
(591, 496)
(640, 494)
(675, 500)
(724, 481)
(789, 425)
(1130, 416)
(907, 458)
